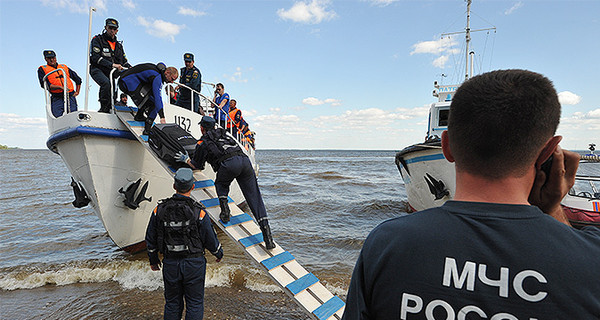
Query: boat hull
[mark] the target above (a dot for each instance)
(429, 178)
(104, 157)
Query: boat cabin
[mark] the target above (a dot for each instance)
(439, 111)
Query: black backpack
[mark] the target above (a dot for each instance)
(178, 232)
(168, 139)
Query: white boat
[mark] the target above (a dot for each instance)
(104, 157)
(428, 177)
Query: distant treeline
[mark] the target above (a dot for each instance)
(3, 147)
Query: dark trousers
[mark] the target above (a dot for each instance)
(104, 83)
(187, 104)
(57, 104)
(240, 169)
(184, 278)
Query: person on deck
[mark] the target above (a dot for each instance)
(56, 82)
(122, 101)
(235, 116)
(106, 53)
(143, 83)
(229, 162)
(184, 264)
(221, 98)
(502, 248)
(191, 77)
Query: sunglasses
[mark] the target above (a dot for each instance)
(113, 28)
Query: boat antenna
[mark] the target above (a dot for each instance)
(467, 39)
(87, 64)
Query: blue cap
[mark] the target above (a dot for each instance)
(184, 179)
(208, 122)
(111, 22)
(188, 57)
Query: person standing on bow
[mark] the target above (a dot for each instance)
(222, 100)
(235, 116)
(229, 162)
(143, 84)
(106, 53)
(191, 77)
(56, 82)
(180, 229)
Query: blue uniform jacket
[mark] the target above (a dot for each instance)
(191, 78)
(209, 237)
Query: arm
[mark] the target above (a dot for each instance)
(41, 75)
(209, 237)
(158, 105)
(199, 159)
(547, 192)
(196, 80)
(151, 242)
(75, 77)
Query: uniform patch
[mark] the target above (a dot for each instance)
(195, 75)
(105, 49)
(96, 49)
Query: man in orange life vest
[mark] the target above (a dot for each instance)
(106, 53)
(235, 116)
(56, 82)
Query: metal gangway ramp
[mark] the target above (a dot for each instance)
(281, 266)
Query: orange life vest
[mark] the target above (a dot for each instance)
(57, 77)
(232, 113)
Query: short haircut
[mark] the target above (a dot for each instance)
(173, 71)
(220, 85)
(123, 95)
(180, 189)
(500, 120)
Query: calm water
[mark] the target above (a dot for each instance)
(58, 262)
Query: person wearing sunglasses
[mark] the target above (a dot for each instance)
(106, 53)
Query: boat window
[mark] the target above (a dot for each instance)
(443, 118)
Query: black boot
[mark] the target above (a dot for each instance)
(266, 231)
(147, 126)
(225, 212)
(139, 116)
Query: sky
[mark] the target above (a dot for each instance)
(312, 74)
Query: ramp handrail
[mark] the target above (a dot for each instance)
(65, 93)
(237, 135)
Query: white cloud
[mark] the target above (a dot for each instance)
(595, 114)
(440, 61)
(382, 3)
(23, 132)
(160, 28)
(313, 12)
(568, 97)
(444, 45)
(129, 4)
(514, 8)
(312, 101)
(76, 6)
(364, 119)
(442, 48)
(237, 76)
(190, 12)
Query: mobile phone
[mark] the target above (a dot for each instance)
(546, 166)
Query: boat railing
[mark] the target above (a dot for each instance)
(204, 101)
(47, 94)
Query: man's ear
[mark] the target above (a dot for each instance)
(547, 150)
(446, 147)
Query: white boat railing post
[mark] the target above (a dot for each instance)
(87, 64)
(112, 89)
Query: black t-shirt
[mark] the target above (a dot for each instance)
(468, 260)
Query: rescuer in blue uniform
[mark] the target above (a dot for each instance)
(229, 162)
(180, 229)
(143, 84)
(106, 53)
(191, 77)
(56, 83)
(221, 99)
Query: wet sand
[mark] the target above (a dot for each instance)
(108, 300)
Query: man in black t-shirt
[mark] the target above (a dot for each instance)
(503, 248)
